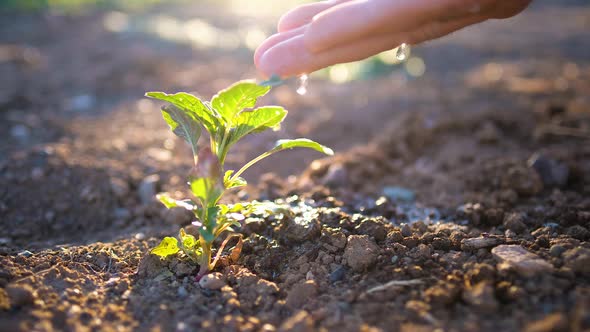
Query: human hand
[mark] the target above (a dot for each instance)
(317, 35)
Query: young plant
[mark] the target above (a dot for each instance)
(228, 117)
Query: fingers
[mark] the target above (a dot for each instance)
(353, 20)
(275, 39)
(303, 14)
(290, 56)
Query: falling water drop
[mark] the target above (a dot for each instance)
(402, 52)
(302, 89)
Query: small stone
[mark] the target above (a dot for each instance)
(300, 230)
(20, 132)
(338, 274)
(406, 230)
(553, 173)
(140, 236)
(373, 228)
(301, 293)
(578, 259)
(481, 296)
(20, 295)
(212, 281)
(578, 232)
(182, 292)
(300, 322)
(25, 253)
(336, 176)
(184, 269)
(147, 189)
(360, 252)
(398, 194)
(525, 181)
(556, 250)
(522, 261)
(515, 222)
(476, 243)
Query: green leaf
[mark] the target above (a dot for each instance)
(188, 241)
(284, 144)
(191, 105)
(234, 99)
(206, 190)
(230, 183)
(258, 120)
(170, 202)
(168, 246)
(183, 124)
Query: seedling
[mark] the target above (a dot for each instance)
(228, 117)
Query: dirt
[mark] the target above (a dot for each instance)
(457, 201)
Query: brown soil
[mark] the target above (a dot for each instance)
(458, 201)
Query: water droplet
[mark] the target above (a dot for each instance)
(302, 89)
(402, 52)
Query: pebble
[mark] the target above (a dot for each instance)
(553, 322)
(182, 292)
(140, 236)
(578, 259)
(301, 293)
(147, 189)
(556, 250)
(476, 243)
(212, 281)
(361, 252)
(336, 176)
(406, 230)
(519, 259)
(399, 194)
(338, 274)
(20, 295)
(25, 253)
(515, 222)
(553, 173)
(20, 132)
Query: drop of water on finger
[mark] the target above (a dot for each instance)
(302, 88)
(402, 52)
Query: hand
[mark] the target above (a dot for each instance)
(317, 35)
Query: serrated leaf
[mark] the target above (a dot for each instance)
(284, 144)
(188, 241)
(234, 99)
(171, 203)
(168, 246)
(183, 124)
(258, 120)
(191, 105)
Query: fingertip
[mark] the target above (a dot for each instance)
(302, 15)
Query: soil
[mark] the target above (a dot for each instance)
(457, 201)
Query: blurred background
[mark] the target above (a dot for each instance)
(75, 71)
(73, 74)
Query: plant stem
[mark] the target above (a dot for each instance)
(250, 163)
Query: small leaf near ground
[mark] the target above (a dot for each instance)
(170, 202)
(168, 246)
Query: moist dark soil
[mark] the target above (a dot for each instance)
(457, 201)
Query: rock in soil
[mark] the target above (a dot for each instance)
(552, 172)
(212, 281)
(552, 323)
(20, 295)
(301, 293)
(476, 243)
(578, 259)
(360, 252)
(519, 259)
